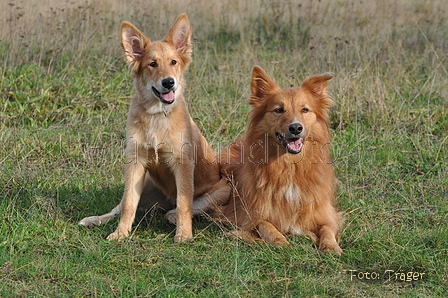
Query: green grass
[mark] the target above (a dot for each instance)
(65, 89)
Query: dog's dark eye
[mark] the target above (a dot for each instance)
(173, 62)
(153, 64)
(279, 110)
(305, 110)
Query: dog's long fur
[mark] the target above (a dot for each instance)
(281, 172)
(168, 159)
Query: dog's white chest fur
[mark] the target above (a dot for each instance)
(292, 193)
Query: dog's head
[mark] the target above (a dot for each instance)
(291, 115)
(158, 66)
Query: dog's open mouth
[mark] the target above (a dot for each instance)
(293, 145)
(166, 98)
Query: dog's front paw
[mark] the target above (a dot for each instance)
(171, 216)
(241, 235)
(90, 221)
(280, 241)
(331, 248)
(183, 237)
(117, 235)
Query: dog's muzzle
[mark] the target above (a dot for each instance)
(293, 140)
(166, 97)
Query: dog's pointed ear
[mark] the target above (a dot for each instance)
(317, 85)
(134, 44)
(261, 86)
(180, 36)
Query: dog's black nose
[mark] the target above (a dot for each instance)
(295, 128)
(168, 83)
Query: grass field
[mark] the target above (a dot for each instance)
(65, 90)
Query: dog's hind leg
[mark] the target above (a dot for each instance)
(151, 197)
(219, 195)
(101, 219)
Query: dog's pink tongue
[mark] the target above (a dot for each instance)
(295, 144)
(169, 97)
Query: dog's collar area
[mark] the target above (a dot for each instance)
(160, 108)
(165, 98)
(293, 145)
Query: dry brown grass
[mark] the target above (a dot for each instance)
(339, 32)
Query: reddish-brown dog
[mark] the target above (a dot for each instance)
(281, 171)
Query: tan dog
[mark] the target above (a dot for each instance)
(168, 159)
(281, 171)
